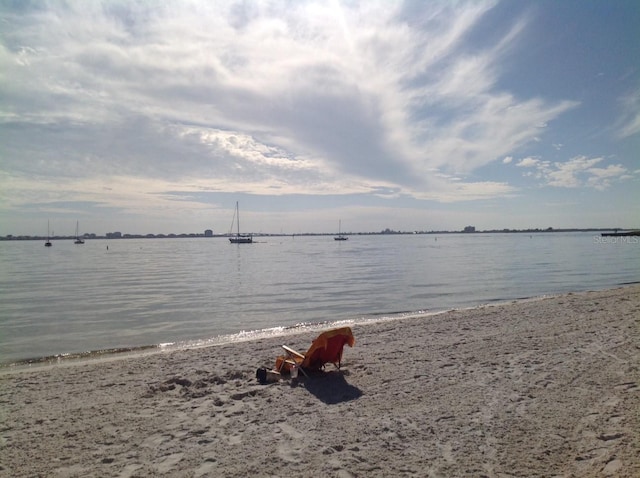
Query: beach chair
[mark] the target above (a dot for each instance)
(326, 348)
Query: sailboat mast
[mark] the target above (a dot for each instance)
(238, 239)
(48, 243)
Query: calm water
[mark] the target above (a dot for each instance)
(75, 298)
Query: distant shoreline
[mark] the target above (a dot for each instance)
(116, 236)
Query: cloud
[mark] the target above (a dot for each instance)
(528, 163)
(453, 191)
(579, 171)
(269, 98)
(629, 123)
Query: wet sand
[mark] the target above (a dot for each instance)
(546, 387)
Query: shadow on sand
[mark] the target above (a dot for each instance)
(331, 387)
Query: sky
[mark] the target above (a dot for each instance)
(157, 116)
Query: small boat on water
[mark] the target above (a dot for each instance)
(239, 238)
(78, 240)
(48, 243)
(340, 236)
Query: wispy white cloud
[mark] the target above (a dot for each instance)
(579, 171)
(629, 123)
(454, 189)
(528, 162)
(263, 94)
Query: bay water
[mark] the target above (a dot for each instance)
(132, 293)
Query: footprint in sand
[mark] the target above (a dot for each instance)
(447, 452)
(627, 386)
(155, 441)
(612, 468)
(611, 402)
(616, 419)
(208, 468)
(169, 462)
(291, 446)
(129, 471)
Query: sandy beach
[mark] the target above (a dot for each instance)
(536, 388)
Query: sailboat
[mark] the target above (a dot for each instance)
(48, 243)
(78, 240)
(340, 236)
(239, 238)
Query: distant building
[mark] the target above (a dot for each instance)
(208, 233)
(114, 235)
(469, 229)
